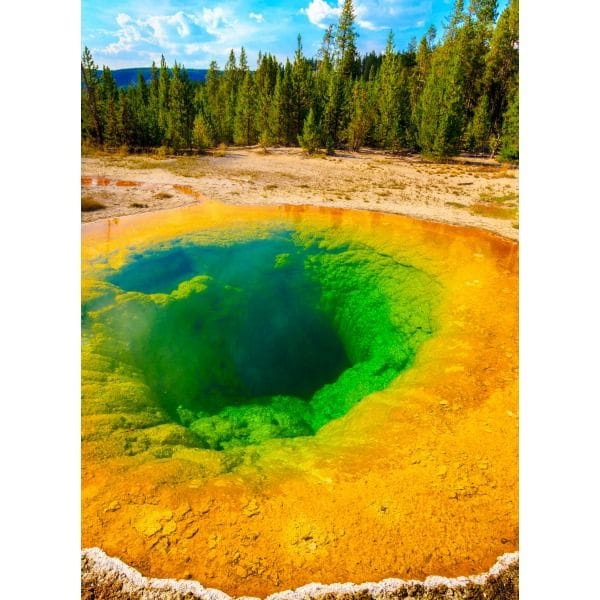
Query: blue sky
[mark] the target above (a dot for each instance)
(133, 33)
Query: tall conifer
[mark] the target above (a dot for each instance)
(337, 109)
(362, 114)
(245, 118)
(91, 115)
(164, 79)
(228, 96)
(301, 100)
(441, 104)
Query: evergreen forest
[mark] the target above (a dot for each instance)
(458, 91)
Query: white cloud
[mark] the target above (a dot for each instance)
(361, 11)
(373, 15)
(213, 19)
(128, 35)
(318, 12)
(123, 19)
(193, 48)
(209, 31)
(164, 27)
(183, 28)
(221, 23)
(369, 25)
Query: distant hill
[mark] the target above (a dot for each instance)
(126, 77)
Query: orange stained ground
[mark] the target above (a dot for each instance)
(415, 480)
(188, 191)
(105, 181)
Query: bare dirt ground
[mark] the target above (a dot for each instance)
(476, 192)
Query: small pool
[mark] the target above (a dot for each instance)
(279, 395)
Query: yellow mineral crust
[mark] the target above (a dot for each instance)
(418, 479)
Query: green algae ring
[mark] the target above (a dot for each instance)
(247, 340)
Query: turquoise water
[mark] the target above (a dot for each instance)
(266, 338)
(255, 331)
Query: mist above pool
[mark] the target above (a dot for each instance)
(260, 339)
(254, 329)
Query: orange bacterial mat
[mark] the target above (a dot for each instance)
(408, 470)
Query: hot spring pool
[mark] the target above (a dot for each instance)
(273, 396)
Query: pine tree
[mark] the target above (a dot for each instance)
(371, 63)
(112, 124)
(421, 70)
(324, 55)
(479, 132)
(321, 82)
(502, 67)
(345, 42)
(91, 116)
(275, 127)
(164, 83)
(485, 12)
(332, 118)
(265, 80)
(190, 109)
(110, 109)
(301, 100)
(441, 106)
(202, 136)
(473, 45)
(245, 117)
(154, 130)
(243, 65)
(362, 115)
(310, 139)
(388, 127)
(205, 128)
(282, 118)
(468, 35)
(126, 121)
(406, 133)
(212, 108)
(337, 110)
(228, 97)
(509, 149)
(178, 128)
(447, 101)
(141, 113)
(108, 87)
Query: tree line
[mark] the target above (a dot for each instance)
(460, 93)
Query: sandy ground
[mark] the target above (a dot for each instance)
(475, 192)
